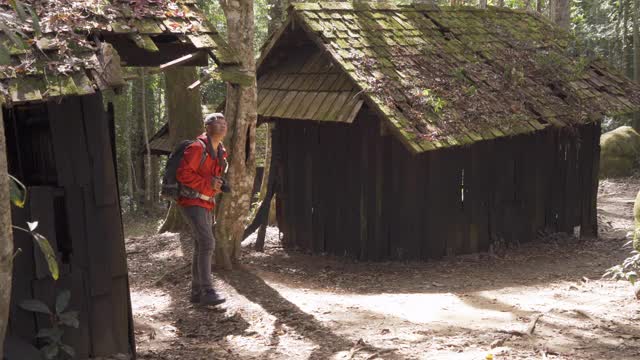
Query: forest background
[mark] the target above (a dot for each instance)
(604, 28)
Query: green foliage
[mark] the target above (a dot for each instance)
(54, 348)
(47, 250)
(436, 103)
(18, 197)
(629, 268)
(18, 192)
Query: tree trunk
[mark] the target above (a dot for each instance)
(539, 5)
(277, 13)
(636, 57)
(627, 50)
(137, 143)
(636, 41)
(482, 4)
(500, 3)
(155, 178)
(617, 46)
(241, 116)
(559, 11)
(184, 111)
(6, 237)
(128, 148)
(148, 201)
(267, 159)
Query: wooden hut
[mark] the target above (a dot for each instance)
(416, 132)
(61, 145)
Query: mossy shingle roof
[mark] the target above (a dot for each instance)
(47, 47)
(451, 76)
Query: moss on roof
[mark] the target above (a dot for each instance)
(47, 48)
(452, 76)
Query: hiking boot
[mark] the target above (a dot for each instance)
(195, 296)
(211, 297)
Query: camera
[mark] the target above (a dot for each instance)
(225, 188)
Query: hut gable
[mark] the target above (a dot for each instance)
(439, 77)
(308, 87)
(51, 48)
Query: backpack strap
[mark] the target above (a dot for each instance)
(204, 153)
(221, 160)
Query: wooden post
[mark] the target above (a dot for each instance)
(6, 235)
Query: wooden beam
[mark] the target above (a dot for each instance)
(144, 42)
(196, 84)
(178, 61)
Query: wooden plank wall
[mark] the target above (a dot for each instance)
(354, 190)
(79, 212)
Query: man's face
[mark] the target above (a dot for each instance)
(217, 128)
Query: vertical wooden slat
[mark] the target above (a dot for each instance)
(541, 165)
(478, 192)
(412, 192)
(424, 215)
(319, 171)
(589, 225)
(372, 179)
(379, 221)
(468, 236)
(22, 323)
(75, 208)
(98, 247)
(306, 196)
(99, 145)
(69, 141)
(101, 325)
(79, 338)
(328, 191)
(121, 315)
(396, 213)
(437, 237)
(364, 245)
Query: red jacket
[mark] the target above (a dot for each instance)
(197, 177)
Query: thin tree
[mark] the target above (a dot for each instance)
(636, 56)
(277, 12)
(627, 50)
(636, 41)
(6, 236)
(560, 13)
(241, 116)
(184, 111)
(145, 127)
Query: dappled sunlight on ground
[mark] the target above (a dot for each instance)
(540, 300)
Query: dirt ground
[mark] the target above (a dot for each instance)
(541, 301)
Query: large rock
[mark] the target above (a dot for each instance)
(620, 152)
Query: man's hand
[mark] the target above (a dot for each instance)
(216, 183)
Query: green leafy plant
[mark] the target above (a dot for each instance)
(18, 198)
(18, 192)
(436, 103)
(54, 348)
(629, 268)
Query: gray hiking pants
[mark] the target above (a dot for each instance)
(200, 220)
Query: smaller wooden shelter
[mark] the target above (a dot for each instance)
(61, 145)
(416, 131)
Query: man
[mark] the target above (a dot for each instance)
(199, 174)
